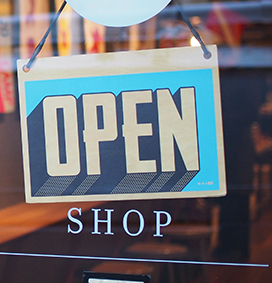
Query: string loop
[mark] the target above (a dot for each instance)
(26, 68)
(207, 54)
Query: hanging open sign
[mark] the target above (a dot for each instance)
(128, 125)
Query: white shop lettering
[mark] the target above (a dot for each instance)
(78, 226)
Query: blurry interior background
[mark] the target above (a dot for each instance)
(239, 224)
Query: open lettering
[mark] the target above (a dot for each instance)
(173, 128)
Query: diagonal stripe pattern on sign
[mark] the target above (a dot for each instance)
(184, 180)
(160, 182)
(86, 185)
(133, 183)
(55, 186)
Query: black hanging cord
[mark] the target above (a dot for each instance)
(26, 68)
(39, 47)
(207, 53)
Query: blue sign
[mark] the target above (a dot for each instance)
(123, 136)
